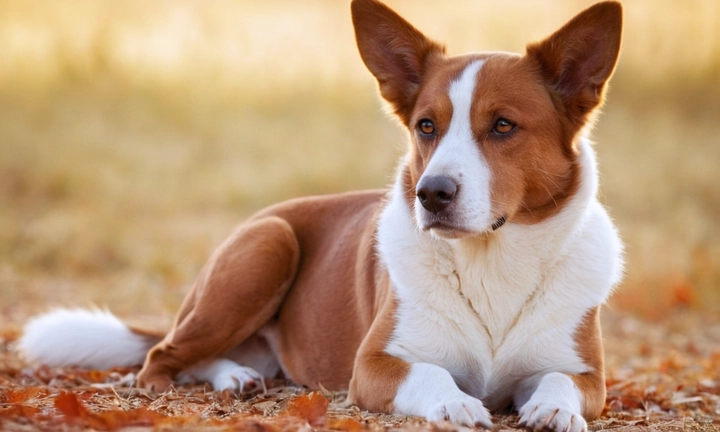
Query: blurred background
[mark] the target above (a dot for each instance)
(134, 135)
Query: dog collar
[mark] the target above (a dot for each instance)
(498, 223)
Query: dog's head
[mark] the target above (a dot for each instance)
(493, 135)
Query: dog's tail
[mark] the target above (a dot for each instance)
(92, 339)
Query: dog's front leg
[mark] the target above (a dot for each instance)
(385, 383)
(563, 402)
(430, 391)
(556, 404)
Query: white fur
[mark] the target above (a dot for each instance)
(457, 156)
(499, 311)
(93, 339)
(556, 404)
(447, 401)
(222, 374)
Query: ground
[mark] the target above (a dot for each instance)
(661, 376)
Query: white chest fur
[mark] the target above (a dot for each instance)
(497, 312)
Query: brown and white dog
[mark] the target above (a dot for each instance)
(473, 284)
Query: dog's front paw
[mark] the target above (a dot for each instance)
(463, 410)
(236, 378)
(539, 416)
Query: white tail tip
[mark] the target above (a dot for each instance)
(92, 339)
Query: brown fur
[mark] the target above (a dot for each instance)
(373, 365)
(332, 300)
(590, 348)
(232, 298)
(245, 285)
(577, 61)
(533, 177)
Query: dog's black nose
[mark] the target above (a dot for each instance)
(436, 192)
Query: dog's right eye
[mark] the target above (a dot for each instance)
(426, 127)
(503, 126)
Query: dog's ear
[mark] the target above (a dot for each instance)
(578, 59)
(396, 53)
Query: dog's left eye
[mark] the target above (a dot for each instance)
(426, 127)
(503, 126)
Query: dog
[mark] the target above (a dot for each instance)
(472, 285)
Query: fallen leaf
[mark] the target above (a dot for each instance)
(343, 423)
(311, 407)
(69, 404)
(18, 411)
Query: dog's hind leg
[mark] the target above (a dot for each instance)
(238, 291)
(240, 369)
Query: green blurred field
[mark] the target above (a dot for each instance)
(134, 135)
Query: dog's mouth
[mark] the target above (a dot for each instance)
(447, 228)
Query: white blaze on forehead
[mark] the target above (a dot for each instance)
(461, 95)
(459, 158)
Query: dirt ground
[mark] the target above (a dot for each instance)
(661, 376)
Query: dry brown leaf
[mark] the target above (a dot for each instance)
(69, 404)
(18, 411)
(343, 424)
(311, 407)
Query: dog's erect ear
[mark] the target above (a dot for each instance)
(578, 59)
(394, 51)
